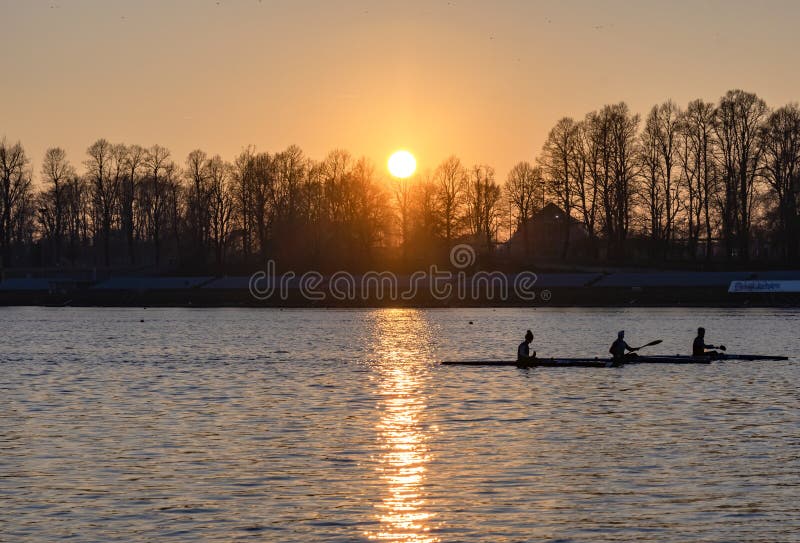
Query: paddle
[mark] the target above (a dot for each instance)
(656, 342)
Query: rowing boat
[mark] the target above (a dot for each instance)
(576, 362)
(724, 356)
(606, 362)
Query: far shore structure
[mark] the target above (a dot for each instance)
(625, 289)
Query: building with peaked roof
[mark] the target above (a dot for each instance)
(544, 233)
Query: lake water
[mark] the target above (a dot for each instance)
(339, 425)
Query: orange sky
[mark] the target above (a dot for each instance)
(482, 80)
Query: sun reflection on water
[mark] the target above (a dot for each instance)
(403, 337)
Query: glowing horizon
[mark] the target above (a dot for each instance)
(483, 83)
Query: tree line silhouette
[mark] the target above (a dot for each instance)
(728, 172)
(705, 182)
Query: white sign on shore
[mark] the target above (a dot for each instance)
(764, 286)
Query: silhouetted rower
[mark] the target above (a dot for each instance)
(524, 349)
(699, 345)
(619, 347)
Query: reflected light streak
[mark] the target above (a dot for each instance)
(402, 463)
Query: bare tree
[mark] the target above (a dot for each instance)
(558, 158)
(77, 215)
(197, 175)
(402, 190)
(289, 227)
(56, 172)
(611, 152)
(134, 170)
(483, 196)
(243, 180)
(623, 126)
(176, 207)
(427, 215)
(154, 194)
(102, 169)
(15, 186)
(368, 211)
(659, 153)
(290, 167)
(221, 207)
(697, 162)
(780, 149)
(523, 186)
(450, 179)
(315, 211)
(652, 190)
(586, 171)
(23, 223)
(263, 188)
(335, 175)
(356, 207)
(739, 118)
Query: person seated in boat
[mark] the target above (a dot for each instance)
(524, 349)
(699, 345)
(619, 347)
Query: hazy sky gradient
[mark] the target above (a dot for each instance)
(482, 80)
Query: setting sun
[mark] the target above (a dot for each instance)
(402, 164)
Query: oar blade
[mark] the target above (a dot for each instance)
(656, 342)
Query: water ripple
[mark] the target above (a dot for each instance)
(323, 425)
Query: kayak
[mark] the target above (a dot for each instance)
(577, 362)
(607, 362)
(724, 356)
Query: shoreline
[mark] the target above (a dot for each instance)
(620, 289)
(763, 301)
